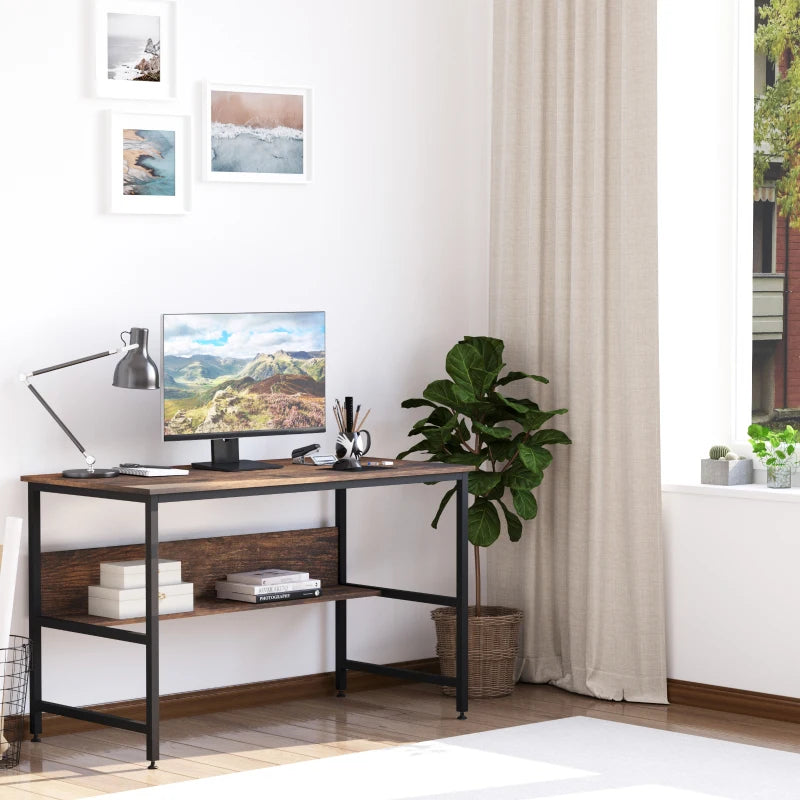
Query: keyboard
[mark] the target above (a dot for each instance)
(143, 471)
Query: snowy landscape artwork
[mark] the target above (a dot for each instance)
(257, 134)
(134, 47)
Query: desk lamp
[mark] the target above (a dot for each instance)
(136, 370)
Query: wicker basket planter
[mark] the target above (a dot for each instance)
(493, 642)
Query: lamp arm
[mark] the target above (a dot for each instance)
(72, 363)
(25, 378)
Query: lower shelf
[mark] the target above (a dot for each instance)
(203, 606)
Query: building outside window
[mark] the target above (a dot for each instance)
(776, 240)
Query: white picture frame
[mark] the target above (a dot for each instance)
(115, 58)
(229, 145)
(141, 142)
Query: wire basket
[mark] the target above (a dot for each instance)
(15, 663)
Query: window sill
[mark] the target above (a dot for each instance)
(750, 491)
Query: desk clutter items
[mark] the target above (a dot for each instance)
(352, 440)
(268, 586)
(121, 593)
(310, 455)
(151, 470)
(14, 651)
(725, 468)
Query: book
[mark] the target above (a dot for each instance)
(223, 594)
(247, 588)
(268, 577)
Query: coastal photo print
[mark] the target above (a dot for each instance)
(149, 164)
(257, 134)
(135, 49)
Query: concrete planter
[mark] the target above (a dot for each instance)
(726, 473)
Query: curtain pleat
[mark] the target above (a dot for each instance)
(573, 293)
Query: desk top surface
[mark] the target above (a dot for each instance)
(290, 475)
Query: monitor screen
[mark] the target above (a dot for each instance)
(231, 375)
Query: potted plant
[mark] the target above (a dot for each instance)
(471, 421)
(778, 451)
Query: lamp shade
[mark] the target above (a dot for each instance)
(137, 370)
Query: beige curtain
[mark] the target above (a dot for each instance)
(574, 296)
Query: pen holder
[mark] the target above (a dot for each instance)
(350, 446)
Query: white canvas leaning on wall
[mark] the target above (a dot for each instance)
(256, 133)
(135, 45)
(149, 169)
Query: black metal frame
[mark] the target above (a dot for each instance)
(150, 638)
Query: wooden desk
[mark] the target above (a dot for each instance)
(65, 610)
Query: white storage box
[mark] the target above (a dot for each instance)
(128, 603)
(130, 574)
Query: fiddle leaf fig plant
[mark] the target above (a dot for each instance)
(471, 420)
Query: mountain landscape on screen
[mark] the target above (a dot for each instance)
(228, 391)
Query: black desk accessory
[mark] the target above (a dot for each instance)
(136, 370)
(299, 453)
(352, 441)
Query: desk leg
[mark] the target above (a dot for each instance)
(462, 586)
(341, 605)
(35, 607)
(151, 627)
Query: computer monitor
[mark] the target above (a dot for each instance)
(225, 376)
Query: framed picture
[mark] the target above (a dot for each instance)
(135, 49)
(149, 171)
(257, 133)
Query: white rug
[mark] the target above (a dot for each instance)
(577, 758)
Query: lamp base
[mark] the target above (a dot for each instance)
(90, 473)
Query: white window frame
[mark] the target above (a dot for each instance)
(742, 333)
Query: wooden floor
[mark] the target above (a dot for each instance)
(110, 760)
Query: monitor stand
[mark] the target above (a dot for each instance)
(225, 458)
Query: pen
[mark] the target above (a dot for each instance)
(379, 463)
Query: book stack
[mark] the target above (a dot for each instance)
(268, 586)
(121, 593)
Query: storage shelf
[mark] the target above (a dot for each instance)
(203, 606)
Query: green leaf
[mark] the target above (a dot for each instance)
(757, 431)
(501, 449)
(484, 523)
(447, 394)
(465, 366)
(518, 476)
(498, 491)
(513, 523)
(416, 402)
(463, 456)
(445, 500)
(535, 458)
(417, 448)
(510, 377)
(491, 432)
(480, 483)
(535, 419)
(522, 406)
(490, 351)
(550, 436)
(525, 503)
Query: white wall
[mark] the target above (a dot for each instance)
(391, 240)
(731, 589)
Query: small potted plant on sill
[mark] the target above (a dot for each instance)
(778, 451)
(471, 421)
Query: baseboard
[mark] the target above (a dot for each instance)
(226, 698)
(737, 701)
